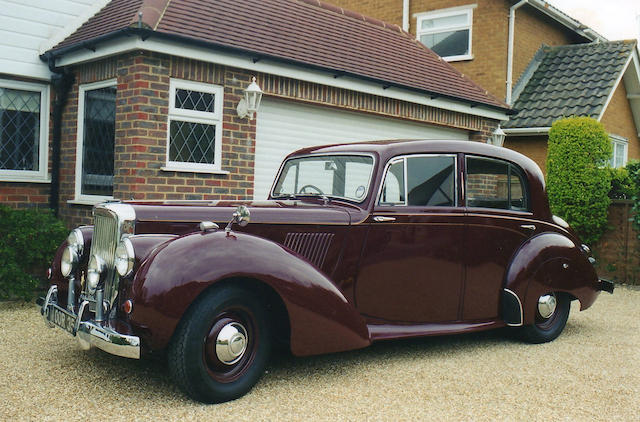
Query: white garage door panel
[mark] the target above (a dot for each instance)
(284, 126)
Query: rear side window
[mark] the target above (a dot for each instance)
(420, 181)
(492, 183)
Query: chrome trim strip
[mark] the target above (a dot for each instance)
(521, 313)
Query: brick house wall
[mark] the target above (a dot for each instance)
(490, 35)
(616, 120)
(534, 147)
(142, 102)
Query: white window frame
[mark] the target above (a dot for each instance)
(194, 116)
(443, 13)
(41, 175)
(624, 142)
(81, 198)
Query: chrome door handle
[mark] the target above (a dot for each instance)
(531, 227)
(381, 219)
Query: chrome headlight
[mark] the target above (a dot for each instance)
(94, 271)
(124, 257)
(76, 241)
(69, 261)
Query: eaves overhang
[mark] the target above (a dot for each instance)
(135, 38)
(566, 20)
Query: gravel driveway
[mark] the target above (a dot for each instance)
(592, 372)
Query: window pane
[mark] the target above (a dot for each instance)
(192, 142)
(431, 181)
(19, 129)
(445, 22)
(195, 100)
(518, 190)
(393, 188)
(98, 141)
(449, 43)
(487, 183)
(336, 175)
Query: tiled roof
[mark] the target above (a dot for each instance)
(570, 80)
(307, 32)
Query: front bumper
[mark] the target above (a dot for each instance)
(89, 333)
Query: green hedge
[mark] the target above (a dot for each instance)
(29, 241)
(622, 184)
(578, 180)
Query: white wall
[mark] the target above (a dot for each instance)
(30, 27)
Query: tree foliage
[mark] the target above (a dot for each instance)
(29, 241)
(578, 180)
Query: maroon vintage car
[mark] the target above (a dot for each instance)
(357, 243)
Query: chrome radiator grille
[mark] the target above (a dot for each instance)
(105, 239)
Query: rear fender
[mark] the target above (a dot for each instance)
(177, 272)
(548, 262)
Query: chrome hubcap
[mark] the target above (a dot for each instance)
(546, 305)
(231, 343)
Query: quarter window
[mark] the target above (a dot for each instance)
(195, 127)
(495, 184)
(96, 141)
(430, 181)
(447, 32)
(23, 131)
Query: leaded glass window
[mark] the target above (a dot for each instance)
(22, 140)
(98, 141)
(195, 126)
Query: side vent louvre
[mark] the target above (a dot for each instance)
(313, 246)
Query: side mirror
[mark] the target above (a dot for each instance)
(241, 216)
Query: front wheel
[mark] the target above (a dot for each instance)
(221, 346)
(552, 312)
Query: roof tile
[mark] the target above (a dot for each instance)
(570, 80)
(308, 32)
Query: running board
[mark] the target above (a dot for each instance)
(379, 332)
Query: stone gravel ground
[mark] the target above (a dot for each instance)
(592, 372)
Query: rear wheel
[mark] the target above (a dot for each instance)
(552, 312)
(221, 346)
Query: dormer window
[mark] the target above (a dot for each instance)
(447, 32)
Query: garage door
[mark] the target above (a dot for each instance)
(285, 126)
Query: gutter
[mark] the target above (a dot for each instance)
(145, 33)
(512, 24)
(526, 131)
(62, 81)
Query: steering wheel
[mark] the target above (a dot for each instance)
(317, 189)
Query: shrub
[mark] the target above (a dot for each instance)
(634, 173)
(622, 185)
(578, 180)
(29, 241)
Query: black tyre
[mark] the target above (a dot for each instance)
(548, 323)
(221, 346)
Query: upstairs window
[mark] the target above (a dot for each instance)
(497, 184)
(23, 131)
(430, 181)
(195, 127)
(447, 32)
(620, 148)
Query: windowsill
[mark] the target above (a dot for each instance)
(193, 170)
(27, 179)
(90, 202)
(458, 58)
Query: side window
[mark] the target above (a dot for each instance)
(430, 181)
(393, 187)
(495, 184)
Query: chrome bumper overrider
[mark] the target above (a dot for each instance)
(89, 333)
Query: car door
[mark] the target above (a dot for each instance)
(411, 269)
(498, 221)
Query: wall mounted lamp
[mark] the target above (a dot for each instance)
(250, 103)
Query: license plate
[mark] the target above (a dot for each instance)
(62, 318)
